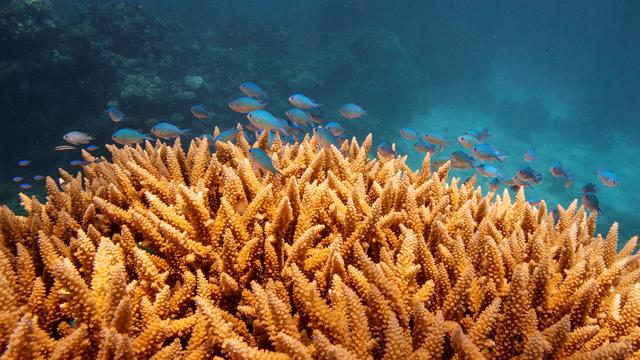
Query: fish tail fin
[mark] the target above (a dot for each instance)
(600, 211)
(441, 147)
(184, 131)
(502, 158)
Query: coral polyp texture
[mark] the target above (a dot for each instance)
(167, 254)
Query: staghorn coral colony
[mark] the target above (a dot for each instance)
(167, 255)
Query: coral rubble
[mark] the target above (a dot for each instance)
(170, 254)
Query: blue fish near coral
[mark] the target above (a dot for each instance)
(264, 120)
(608, 177)
(252, 90)
(480, 135)
(114, 114)
(462, 160)
(468, 141)
(488, 170)
(17, 179)
(302, 102)
(24, 163)
(26, 186)
(527, 174)
(262, 161)
(165, 130)
(386, 151)
(436, 138)
(335, 128)
(530, 155)
(38, 177)
(299, 117)
(487, 152)
(424, 147)
(591, 202)
(352, 111)
(129, 137)
(409, 134)
(325, 137)
(246, 104)
(79, 163)
(200, 111)
(227, 135)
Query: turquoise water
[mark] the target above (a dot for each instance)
(563, 78)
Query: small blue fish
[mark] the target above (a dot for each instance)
(165, 130)
(437, 164)
(299, 117)
(92, 147)
(480, 135)
(607, 177)
(488, 170)
(386, 151)
(352, 111)
(26, 186)
(436, 138)
(250, 89)
(114, 114)
(558, 170)
(262, 161)
(77, 137)
(530, 154)
(24, 162)
(424, 147)
(335, 128)
(79, 163)
(494, 183)
(38, 177)
(591, 202)
(200, 111)
(515, 181)
(302, 102)
(468, 141)
(589, 187)
(316, 115)
(246, 104)
(529, 175)
(17, 179)
(409, 134)
(462, 160)
(129, 137)
(487, 152)
(325, 137)
(227, 135)
(264, 120)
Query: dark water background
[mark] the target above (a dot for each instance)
(563, 77)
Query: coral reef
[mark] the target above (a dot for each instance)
(170, 254)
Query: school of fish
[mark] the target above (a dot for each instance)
(307, 117)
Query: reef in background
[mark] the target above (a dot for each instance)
(176, 254)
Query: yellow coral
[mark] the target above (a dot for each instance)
(167, 254)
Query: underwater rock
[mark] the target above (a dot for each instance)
(193, 82)
(143, 88)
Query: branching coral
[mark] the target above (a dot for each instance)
(167, 254)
